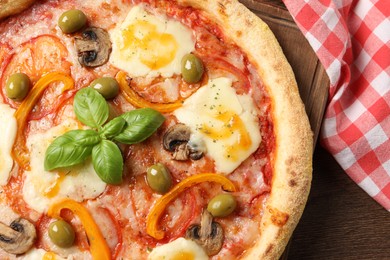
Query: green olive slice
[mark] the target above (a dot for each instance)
(159, 178)
(191, 68)
(72, 20)
(17, 86)
(108, 87)
(222, 205)
(61, 233)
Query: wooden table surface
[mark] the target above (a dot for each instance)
(340, 220)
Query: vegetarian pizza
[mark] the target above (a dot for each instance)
(143, 129)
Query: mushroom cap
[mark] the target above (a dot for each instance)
(94, 47)
(176, 140)
(18, 237)
(208, 234)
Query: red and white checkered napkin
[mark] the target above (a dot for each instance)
(352, 41)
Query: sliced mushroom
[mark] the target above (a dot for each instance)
(208, 234)
(94, 47)
(18, 237)
(176, 140)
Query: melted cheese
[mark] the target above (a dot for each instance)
(146, 44)
(41, 188)
(34, 254)
(179, 249)
(8, 129)
(225, 121)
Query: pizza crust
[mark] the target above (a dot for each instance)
(294, 142)
(294, 138)
(11, 7)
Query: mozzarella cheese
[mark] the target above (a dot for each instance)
(150, 45)
(180, 248)
(226, 122)
(8, 129)
(34, 254)
(41, 188)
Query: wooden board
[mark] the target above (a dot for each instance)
(311, 77)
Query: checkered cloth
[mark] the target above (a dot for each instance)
(352, 41)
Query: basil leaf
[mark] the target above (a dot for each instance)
(141, 123)
(114, 127)
(70, 149)
(90, 107)
(108, 162)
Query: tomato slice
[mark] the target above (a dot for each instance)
(40, 55)
(36, 57)
(5, 55)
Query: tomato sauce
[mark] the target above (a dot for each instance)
(128, 205)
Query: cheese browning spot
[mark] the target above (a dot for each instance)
(53, 190)
(148, 44)
(179, 249)
(232, 124)
(154, 49)
(225, 121)
(278, 217)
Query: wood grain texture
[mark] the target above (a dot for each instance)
(340, 220)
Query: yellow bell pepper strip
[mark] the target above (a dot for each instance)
(160, 205)
(98, 245)
(133, 98)
(20, 152)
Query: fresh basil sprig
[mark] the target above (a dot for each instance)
(90, 107)
(108, 160)
(71, 148)
(76, 146)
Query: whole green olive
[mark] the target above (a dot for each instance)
(61, 233)
(191, 68)
(107, 86)
(17, 86)
(159, 178)
(222, 205)
(72, 20)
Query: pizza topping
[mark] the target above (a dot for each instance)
(75, 146)
(108, 87)
(226, 122)
(160, 205)
(61, 233)
(159, 178)
(133, 98)
(40, 188)
(148, 44)
(208, 234)
(176, 139)
(94, 47)
(8, 129)
(98, 245)
(72, 20)
(191, 68)
(180, 248)
(18, 237)
(222, 205)
(17, 86)
(20, 152)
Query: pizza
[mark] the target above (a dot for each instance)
(144, 129)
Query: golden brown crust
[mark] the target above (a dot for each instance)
(293, 152)
(11, 7)
(294, 142)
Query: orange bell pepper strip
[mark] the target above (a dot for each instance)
(98, 245)
(160, 205)
(20, 152)
(133, 98)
